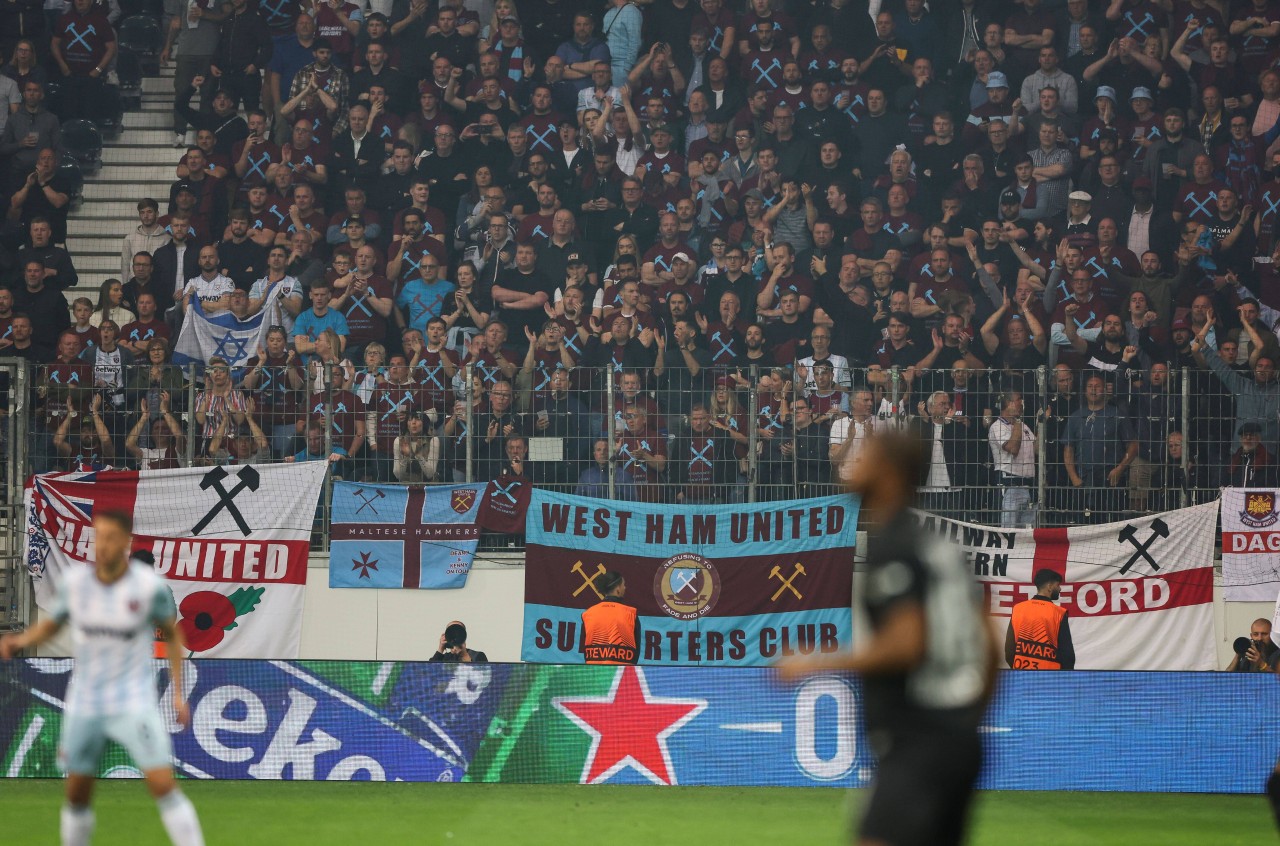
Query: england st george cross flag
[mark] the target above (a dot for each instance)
(231, 542)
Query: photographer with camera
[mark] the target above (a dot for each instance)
(1255, 653)
(453, 647)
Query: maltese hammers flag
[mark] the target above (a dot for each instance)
(1139, 593)
(231, 542)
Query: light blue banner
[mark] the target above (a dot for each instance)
(393, 536)
(657, 530)
(552, 633)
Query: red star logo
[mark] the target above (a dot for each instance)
(629, 728)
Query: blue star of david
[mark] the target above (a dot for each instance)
(240, 345)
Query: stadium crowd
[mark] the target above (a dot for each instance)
(806, 219)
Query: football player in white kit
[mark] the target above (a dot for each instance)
(113, 609)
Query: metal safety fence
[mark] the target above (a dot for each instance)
(1091, 445)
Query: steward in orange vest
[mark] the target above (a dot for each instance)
(610, 629)
(1039, 636)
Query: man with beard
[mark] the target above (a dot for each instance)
(1109, 353)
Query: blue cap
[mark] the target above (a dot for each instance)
(996, 79)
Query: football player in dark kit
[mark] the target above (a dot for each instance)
(928, 667)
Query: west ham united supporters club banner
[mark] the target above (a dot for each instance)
(231, 542)
(1139, 593)
(527, 723)
(1250, 545)
(729, 585)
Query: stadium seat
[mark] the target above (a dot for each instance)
(53, 97)
(140, 34)
(82, 141)
(111, 119)
(69, 168)
(129, 73)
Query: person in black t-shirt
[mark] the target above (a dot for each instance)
(927, 675)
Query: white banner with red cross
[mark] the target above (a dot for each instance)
(231, 542)
(1138, 593)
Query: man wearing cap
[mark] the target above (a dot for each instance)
(661, 167)
(1105, 120)
(1080, 228)
(1145, 127)
(323, 75)
(1252, 465)
(453, 647)
(996, 108)
(1050, 76)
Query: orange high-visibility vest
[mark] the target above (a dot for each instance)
(609, 633)
(1036, 625)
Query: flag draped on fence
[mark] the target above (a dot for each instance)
(727, 585)
(1250, 545)
(1139, 593)
(232, 544)
(393, 536)
(206, 335)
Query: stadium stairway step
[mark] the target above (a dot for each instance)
(139, 162)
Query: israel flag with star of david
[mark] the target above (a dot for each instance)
(206, 335)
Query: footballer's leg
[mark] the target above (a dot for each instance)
(176, 811)
(1273, 793)
(80, 750)
(145, 738)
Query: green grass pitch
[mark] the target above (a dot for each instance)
(320, 814)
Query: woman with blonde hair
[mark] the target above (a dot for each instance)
(490, 35)
(344, 373)
(626, 245)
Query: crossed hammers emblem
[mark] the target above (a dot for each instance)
(368, 502)
(588, 581)
(81, 38)
(247, 479)
(776, 573)
(1159, 529)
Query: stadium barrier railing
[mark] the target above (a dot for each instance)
(745, 435)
